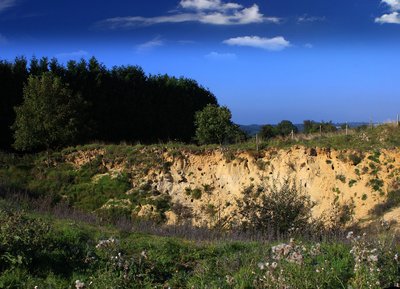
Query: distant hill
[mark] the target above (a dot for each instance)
(253, 129)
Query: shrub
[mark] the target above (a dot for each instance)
(275, 208)
(392, 201)
(376, 184)
(352, 183)
(355, 159)
(196, 194)
(341, 178)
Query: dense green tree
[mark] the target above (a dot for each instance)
(121, 103)
(268, 131)
(48, 116)
(214, 125)
(311, 126)
(285, 127)
(12, 77)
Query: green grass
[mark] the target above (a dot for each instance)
(54, 253)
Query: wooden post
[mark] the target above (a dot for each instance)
(346, 128)
(320, 130)
(292, 134)
(257, 142)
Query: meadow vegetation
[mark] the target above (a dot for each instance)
(54, 247)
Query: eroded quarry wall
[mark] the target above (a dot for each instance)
(204, 187)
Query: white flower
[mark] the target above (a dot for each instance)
(261, 266)
(274, 265)
(349, 235)
(373, 258)
(79, 284)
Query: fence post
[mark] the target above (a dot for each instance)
(257, 141)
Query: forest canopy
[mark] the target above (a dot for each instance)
(121, 103)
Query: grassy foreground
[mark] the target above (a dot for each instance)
(38, 249)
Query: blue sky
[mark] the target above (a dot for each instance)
(266, 60)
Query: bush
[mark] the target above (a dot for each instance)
(355, 159)
(21, 240)
(276, 209)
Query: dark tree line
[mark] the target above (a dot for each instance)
(118, 104)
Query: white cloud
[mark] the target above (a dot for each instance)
(308, 45)
(309, 19)
(392, 18)
(208, 5)
(4, 4)
(74, 54)
(244, 16)
(393, 4)
(128, 22)
(274, 44)
(156, 42)
(220, 56)
(206, 11)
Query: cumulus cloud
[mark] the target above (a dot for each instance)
(213, 12)
(4, 4)
(149, 45)
(220, 56)
(208, 5)
(73, 54)
(274, 44)
(393, 4)
(390, 18)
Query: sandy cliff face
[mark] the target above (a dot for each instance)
(208, 184)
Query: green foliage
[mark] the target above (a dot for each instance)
(285, 127)
(392, 201)
(311, 126)
(214, 125)
(352, 183)
(341, 178)
(122, 103)
(268, 131)
(65, 253)
(355, 158)
(376, 184)
(49, 115)
(275, 209)
(194, 193)
(375, 156)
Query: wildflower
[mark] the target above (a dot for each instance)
(229, 279)
(396, 257)
(274, 265)
(261, 265)
(106, 243)
(79, 284)
(373, 258)
(349, 235)
(144, 254)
